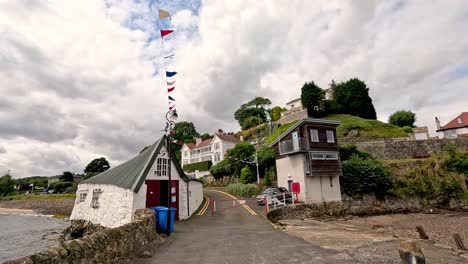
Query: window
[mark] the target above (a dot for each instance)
(459, 121)
(314, 135)
(330, 136)
(185, 153)
(161, 167)
(82, 197)
(216, 145)
(206, 158)
(331, 156)
(95, 200)
(317, 155)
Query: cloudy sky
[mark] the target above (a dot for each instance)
(77, 77)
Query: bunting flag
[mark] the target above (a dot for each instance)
(170, 74)
(169, 57)
(170, 83)
(170, 89)
(170, 98)
(165, 32)
(171, 107)
(163, 14)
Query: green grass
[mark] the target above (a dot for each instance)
(365, 127)
(277, 132)
(39, 197)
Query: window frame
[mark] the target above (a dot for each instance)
(314, 131)
(161, 167)
(332, 158)
(82, 195)
(317, 153)
(332, 139)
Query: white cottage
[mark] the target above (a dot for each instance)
(111, 198)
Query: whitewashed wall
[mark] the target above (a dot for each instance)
(196, 195)
(115, 205)
(292, 168)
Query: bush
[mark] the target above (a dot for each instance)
(200, 166)
(60, 187)
(407, 129)
(457, 161)
(244, 190)
(222, 169)
(349, 150)
(365, 176)
(251, 122)
(402, 118)
(246, 175)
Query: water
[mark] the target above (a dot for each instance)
(22, 235)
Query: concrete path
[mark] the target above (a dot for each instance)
(237, 236)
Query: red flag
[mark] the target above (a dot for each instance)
(165, 32)
(171, 89)
(171, 107)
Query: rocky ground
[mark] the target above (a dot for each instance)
(376, 239)
(59, 208)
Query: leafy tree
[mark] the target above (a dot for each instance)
(6, 185)
(276, 113)
(349, 150)
(353, 97)
(365, 176)
(312, 98)
(66, 177)
(206, 136)
(221, 169)
(243, 151)
(60, 186)
(96, 166)
(246, 175)
(402, 118)
(256, 107)
(250, 122)
(184, 132)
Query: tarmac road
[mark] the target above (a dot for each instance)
(237, 235)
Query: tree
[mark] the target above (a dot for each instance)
(256, 107)
(184, 132)
(6, 185)
(353, 98)
(206, 136)
(276, 113)
(250, 122)
(402, 118)
(96, 166)
(246, 175)
(312, 98)
(66, 176)
(221, 169)
(243, 151)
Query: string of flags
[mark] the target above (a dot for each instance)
(170, 81)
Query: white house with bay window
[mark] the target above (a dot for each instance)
(213, 149)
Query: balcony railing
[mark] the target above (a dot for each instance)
(293, 145)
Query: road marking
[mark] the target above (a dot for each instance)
(205, 206)
(246, 207)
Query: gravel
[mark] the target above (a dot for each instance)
(49, 207)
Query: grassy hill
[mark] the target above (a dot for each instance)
(358, 127)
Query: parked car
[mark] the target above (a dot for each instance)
(276, 192)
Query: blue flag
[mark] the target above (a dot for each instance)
(170, 74)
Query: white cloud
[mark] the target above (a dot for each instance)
(77, 81)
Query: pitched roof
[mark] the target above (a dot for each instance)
(228, 137)
(305, 121)
(204, 143)
(132, 173)
(190, 145)
(463, 117)
(292, 101)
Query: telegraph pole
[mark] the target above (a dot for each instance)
(256, 163)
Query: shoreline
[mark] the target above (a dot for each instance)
(56, 208)
(17, 211)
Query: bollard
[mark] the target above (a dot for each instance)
(422, 232)
(284, 199)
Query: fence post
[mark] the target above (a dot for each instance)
(459, 241)
(267, 208)
(422, 232)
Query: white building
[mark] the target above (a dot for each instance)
(111, 198)
(295, 111)
(213, 149)
(458, 127)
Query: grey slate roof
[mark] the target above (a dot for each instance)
(132, 173)
(305, 121)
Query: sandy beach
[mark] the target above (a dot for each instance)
(15, 211)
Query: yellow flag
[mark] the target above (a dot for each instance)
(163, 14)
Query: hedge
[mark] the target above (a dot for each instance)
(199, 166)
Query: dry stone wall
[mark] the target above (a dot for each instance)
(404, 148)
(106, 246)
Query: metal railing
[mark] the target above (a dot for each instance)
(279, 200)
(293, 145)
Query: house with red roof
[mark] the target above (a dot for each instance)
(213, 149)
(457, 128)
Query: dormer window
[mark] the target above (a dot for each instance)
(459, 121)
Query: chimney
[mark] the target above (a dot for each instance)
(197, 141)
(437, 123)
(220, 132)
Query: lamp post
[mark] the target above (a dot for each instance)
(171, 117)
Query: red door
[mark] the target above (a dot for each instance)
(153, 193)
(175, 197)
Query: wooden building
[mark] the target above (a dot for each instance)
(307, 156)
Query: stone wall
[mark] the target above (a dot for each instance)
(367, 205)
(293, 117)
(106, 246)
(404, 148)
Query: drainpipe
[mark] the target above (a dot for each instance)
(188, 200)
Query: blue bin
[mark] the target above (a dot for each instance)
(173, 211)
(161, 217)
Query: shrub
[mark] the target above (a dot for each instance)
(246, 175)
(200, 166)
(222, 169)
(251, 122)
(365, 176)
(244, 190)
(402, 118)
(407, 129)
(60, 186)
(457, 161)
(349, 150)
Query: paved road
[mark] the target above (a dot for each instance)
(237, 236)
